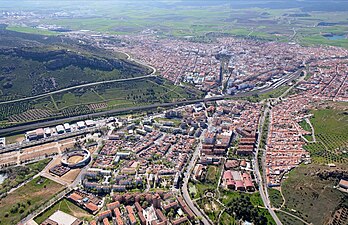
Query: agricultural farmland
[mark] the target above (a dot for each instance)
(331, 132)
(300, 21)
(95, 99)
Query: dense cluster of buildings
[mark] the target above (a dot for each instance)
(284, 149)
(159, 208)
(252, 64)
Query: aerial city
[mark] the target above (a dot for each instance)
(169, 112)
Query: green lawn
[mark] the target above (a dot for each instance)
(202, 188)
(67, 207)
(213, 175)
(27, 198)
(228, 196)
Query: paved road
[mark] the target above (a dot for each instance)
(262, 184)
(136, 108)
(184, 189)
(129, 58)
(77, 86)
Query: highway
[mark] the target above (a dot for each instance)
(105, 113)
(54, 121)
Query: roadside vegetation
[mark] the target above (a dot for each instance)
(275, 197)
(287, 219)
(96, 99)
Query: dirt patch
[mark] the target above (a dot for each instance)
(71, 175)
(75, 159)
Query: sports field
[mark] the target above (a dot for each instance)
(75, 159)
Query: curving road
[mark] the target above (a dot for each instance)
(152, 74)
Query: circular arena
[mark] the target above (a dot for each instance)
(76, 158)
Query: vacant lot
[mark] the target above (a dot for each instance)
(314, 198)
(67, 207)
(21, 202)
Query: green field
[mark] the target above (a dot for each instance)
(31, 30)
(21, 202)
(201, 22)
(305, 126)
(67, 207)
(331, 132)
(286, 219)
(19, 174)
(95, 99)
(275, 197)
(310, 194)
